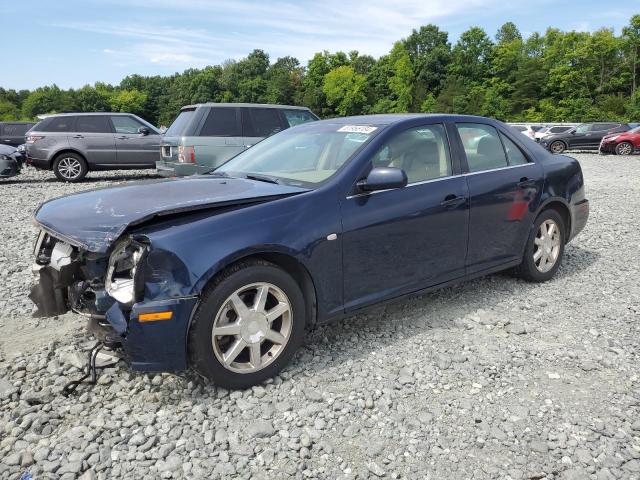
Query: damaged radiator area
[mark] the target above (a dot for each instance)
(69, 279)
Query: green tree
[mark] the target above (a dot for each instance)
(345, 90)
(631, 42)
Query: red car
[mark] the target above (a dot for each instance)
(624, 143)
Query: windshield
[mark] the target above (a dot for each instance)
(306, 155)
(180, 124)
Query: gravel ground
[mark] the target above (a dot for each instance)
(494, 378)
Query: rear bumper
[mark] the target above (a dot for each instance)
(580, 215)
(152, 346)
(38, 162)
(176, 169)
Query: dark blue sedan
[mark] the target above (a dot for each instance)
(224, 271)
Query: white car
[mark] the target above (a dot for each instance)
(528, 130)
(552, 130)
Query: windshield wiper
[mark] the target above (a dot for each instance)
(217, 174)
(262, 178)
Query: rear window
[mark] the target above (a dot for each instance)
(57, 124)
(15, 129)
(261, 122)
(221, 122)
(180, 124)
(93, 124)
(296, 117)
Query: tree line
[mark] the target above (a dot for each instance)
(556, 76)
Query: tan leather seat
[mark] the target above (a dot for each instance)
(419, 160)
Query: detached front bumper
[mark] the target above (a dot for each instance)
(151, 341)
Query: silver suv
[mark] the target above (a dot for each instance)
(206, 135)
(71, 144)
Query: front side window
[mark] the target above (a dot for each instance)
(482, 146)
(306, 155)
(221, 122)
(422, 152)
(514, 154)
(93, 124)
(125, 124)
(584, 128)
(261, 122)
(297, 117)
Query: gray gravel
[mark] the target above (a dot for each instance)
(495, 378)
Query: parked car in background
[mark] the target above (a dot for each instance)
(12, 133)
(205, 136)
(11, 161)
(586, 136)
(223, 272)
(552, 130)
(527, 130)
(624, 143)
(72, 144)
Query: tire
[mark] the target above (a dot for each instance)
(230, 358)
(532, 268)
(624, 148)
(557, 147)
(70, 167)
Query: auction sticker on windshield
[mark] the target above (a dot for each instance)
(357, 129)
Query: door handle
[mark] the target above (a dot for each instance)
(526, 183)
(78, 136)
(452, 201)
(124, 137)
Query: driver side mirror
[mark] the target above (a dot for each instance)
(143, 131)
(383, 178)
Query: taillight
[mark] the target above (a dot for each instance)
(33, 138)
(186, 154)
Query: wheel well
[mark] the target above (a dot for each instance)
(68, 150)
(299, 273)
(563, 211)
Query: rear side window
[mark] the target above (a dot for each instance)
(221, 122)
(93, 124)
(296, 117)
(261, 122)
(514, 154)
(482, 146)
(15, 129)
(559, 129)
(60, 124)
(180, 124)
(125, 124)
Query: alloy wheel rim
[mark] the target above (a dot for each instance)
(547, 245)
(69, 168)
(252, 328)
(557, 147)
(624, 148)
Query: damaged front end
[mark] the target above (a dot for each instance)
(109, 288)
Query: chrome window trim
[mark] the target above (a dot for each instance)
(349, 197)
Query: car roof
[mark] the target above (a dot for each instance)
(83, 114)
(16, 121)
(393, 118)
(249, 105)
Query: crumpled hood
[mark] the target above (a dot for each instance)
(96, 218)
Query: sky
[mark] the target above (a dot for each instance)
(76, 42)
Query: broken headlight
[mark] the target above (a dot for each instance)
(122, 271)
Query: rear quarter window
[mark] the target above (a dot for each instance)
(181, 123)
(59, 124)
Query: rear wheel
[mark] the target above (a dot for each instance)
(70, 167)
(248, 326)
(545, 247)
(557, 147)
(624, 148)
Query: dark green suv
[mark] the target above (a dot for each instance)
(206, 135)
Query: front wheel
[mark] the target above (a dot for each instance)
(557, 147)
(545, 247)
(69, 167)
(248, 326)
(624, 148)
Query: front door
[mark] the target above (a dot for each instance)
(403, 240)
(134, 148)
(503, 189)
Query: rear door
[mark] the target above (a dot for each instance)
(133, 148)
(13, 133)
(259, 123)
(598, 130)
(218, 138)
(503, 184)
(92, 135)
